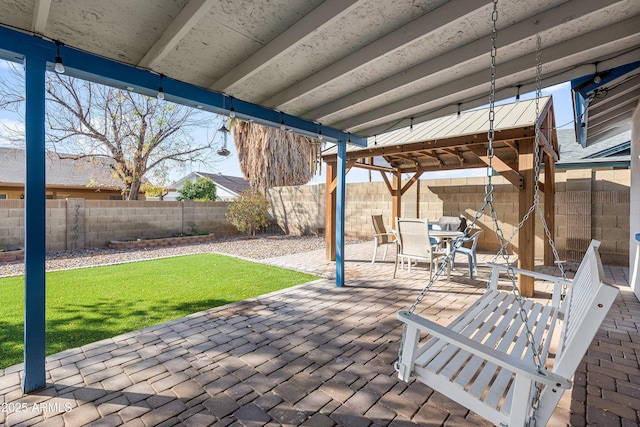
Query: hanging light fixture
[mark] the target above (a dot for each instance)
(160, 95)
(518, 94)
(282, 126)
(320, 137)
(459, 109)
(59, 67)
(411, 125)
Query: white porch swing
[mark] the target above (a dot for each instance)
(493, 358)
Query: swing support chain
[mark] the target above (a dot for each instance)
(489, 202)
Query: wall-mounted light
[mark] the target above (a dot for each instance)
(59, 67)
(160, 95)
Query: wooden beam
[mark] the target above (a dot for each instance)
(372, 167)
(396, 197)
(326, 14)
(40, 16)
(548, 147)
(331, 186)
(545, 135)
(520, 134)
(188, 17)
(386, 181)
(500, 166)
(526, 234)
(330, 213)
(549, 207)
(412, 181)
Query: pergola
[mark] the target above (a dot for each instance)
(461, 142)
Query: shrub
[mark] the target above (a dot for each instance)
(249, 211)
(203, 190)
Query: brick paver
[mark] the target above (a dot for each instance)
(313, 355)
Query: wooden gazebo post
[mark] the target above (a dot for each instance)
(527, 234)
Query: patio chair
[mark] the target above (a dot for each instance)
(414, 243)
(381, 237)
(469, 251)
(435, 242)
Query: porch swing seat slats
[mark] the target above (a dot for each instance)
(483, 359)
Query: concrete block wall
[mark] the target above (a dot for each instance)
(207, 216)
(610, 209)
(79, 223)
(56, 227)
(605, 217)
(107, 220)
(298, 210)
(11, 223)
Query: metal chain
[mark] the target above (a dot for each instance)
(489, 188)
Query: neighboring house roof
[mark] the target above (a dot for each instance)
(232, 184)
(615, 151)
(90, 172)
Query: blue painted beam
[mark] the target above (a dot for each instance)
(14, 45)
(583, 86)
(340, 211)
(35, 221)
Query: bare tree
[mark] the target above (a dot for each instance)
(140, 135)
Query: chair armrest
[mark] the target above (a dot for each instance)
(503, 360)
(389, 233)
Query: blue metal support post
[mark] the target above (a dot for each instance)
(340, 202)
(35, 217)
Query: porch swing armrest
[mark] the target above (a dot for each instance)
(497, 268)
(504, 360)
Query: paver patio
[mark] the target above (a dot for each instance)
(311, 355)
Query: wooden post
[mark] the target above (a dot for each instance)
(549, 207)
(330, 217)
(526, 235)
(396, 197)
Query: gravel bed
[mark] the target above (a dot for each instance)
(258, 248)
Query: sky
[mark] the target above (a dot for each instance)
(562, 102)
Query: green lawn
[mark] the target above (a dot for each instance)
(92, 304)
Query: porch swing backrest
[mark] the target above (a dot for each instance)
(481, 359)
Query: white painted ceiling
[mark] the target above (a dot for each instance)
(365, 66)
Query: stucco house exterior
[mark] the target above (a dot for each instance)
(87, 178)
